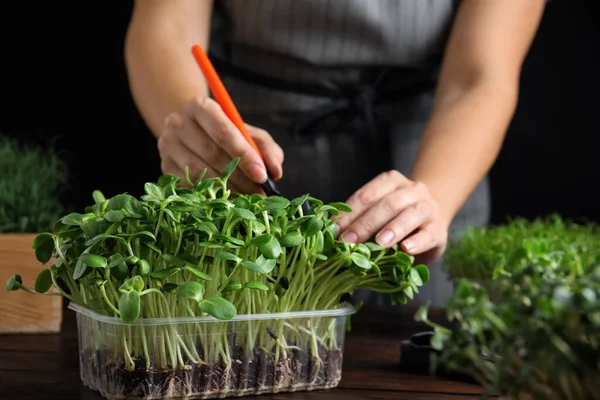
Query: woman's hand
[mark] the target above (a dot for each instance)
(202, 136)
(395, 209)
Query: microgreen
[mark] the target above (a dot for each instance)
(481, 252)
(531, 328)
(201, 250)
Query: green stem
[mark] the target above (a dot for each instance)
(110, 304)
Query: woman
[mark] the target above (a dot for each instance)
(398, 107)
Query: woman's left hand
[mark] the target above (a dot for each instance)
(394, 209)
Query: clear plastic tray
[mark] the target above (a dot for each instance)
(203, 357)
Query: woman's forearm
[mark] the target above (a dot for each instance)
(161, 70)
(462, 141)
(476, 98)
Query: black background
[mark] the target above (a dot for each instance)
(65, 80)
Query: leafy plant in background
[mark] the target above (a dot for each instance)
(542, 339)
(483, 252)
(201, 250)
(31, 179)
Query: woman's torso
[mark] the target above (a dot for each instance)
(326, 41)
(342, 32)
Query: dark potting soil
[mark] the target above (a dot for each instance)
(254, 374)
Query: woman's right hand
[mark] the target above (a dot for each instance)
(202, 136)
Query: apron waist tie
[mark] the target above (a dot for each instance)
(347, 101)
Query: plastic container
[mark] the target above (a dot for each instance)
(203, 357)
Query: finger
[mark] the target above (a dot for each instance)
(407, 221)
(428, 237)
(223, 132)
(271, 151)
(173, 151)
(195, 139)
(369, 195)
(387, 209)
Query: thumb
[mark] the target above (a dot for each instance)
(271, 151)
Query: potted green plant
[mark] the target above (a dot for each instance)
(526, 311)
(542, 341)
(193, 291)
(482, 253)
(31, 182)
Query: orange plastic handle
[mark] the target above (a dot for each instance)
(221, 96)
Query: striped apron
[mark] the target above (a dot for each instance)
(346, 88)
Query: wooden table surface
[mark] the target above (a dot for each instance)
(46, 366)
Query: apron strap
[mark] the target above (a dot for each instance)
(356, 99)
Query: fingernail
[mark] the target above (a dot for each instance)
(351, 237)
(259, 172)
(385, 237)
(408, 246)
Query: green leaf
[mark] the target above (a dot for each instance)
(153, 247)
(92, 227)
(230, 168)
(170, 287)
(164, 273)
(191, 290)
(98, 197)
(423, 272)
(312, 226)
(143, 267)
(292, 239)
(80, 268)
(271, 249)
(198, 273)
(225, 255)
(258, 227)
(408, 291)
(211, 245)
(129, 306)
(115, 216)
(14, 283)
(119, 201)
(231, 286)
(262, 265)
(153, 190)
(115, 260)
(416, 277)
(43, 282)
(168, 180)
(421, 314)
(218, 307)
(230, 239)
(143, 235)
(173, 260)
(360, 260)
(134, 283)
(120, 272)
(403, 259)
(261, 239)
(255, 285)
(275, 203)
(244, 214)
(341, 206)
(44, 247)
(373, 247)
(72, 219)
(93, 260)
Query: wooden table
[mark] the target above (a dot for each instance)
(46, 367)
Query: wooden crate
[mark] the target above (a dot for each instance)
(20, 311)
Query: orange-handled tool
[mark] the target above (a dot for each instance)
(222, 97)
